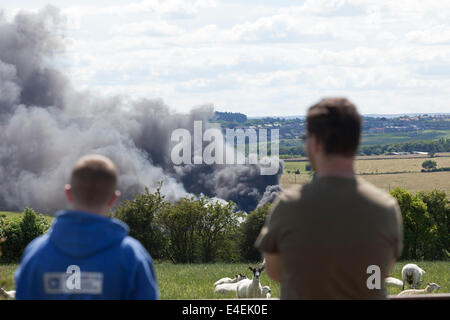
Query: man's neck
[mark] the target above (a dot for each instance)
(337, 166)
(98, 211)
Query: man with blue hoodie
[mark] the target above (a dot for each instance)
(86, 254)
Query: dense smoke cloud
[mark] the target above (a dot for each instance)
(46, 125)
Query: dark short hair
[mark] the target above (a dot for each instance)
(93, 180)
(336, 124)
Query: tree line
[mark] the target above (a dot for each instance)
(200, 230)
(296, 149)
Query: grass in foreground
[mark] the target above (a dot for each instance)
(195, 281)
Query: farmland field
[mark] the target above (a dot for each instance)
(195, 281)
(385, 173)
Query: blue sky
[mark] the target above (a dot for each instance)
(260, 57)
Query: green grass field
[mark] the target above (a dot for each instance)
(18, 215)
(195, 281)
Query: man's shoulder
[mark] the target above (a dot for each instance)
(291, 194)
(37, 246)
(132, 248)
(375, 194)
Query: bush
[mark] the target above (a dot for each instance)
(19, 232)
(439, 208)
(429, 164)
(141, 215)
(189, 230)
(218, 227)
(181, 223)
(425, 223)
(198, 230)
(250, 230)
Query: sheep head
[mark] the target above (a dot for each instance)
(256, 272)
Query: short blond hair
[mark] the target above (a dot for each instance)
(93, 180)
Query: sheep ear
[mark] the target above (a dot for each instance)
(262, 268)
(250, 268)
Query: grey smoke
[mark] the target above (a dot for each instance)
(46, 125)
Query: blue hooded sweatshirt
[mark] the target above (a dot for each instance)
(86, 256)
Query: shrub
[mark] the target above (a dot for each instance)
(189, 230)
(19, 232)
(420, 229)
(250, 230)
(429, 164)
(200, 230)
(140, 214)
(217, 226)
(439, 208)
(180, 224)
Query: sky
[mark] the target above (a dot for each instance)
(261, 58)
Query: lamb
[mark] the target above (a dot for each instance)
(390, 281)
(250, 288)
(265, 292)
(7, 294)
(412, 274)
(428, 289)
(237, 277)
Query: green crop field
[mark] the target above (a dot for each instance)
(399, 137)
(195, 281)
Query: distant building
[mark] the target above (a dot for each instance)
(399, 153)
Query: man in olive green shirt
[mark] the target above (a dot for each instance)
(322, 240)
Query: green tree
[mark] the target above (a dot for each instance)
(141, 216)
(18, 232)
(217, 223)
(429, 164)
(250, 230)
(180, 222)
(419, 229)
(438, 207)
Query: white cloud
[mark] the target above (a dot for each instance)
(390, 56)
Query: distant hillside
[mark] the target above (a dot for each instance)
(230, 117)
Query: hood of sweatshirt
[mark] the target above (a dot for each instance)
(82, 234)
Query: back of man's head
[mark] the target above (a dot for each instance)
(93, 181)
(336, 124)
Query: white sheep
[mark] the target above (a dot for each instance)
(431, 287)
(237, 277)
(412, 274)
(7, 294)
(265, 292)
(391, 281)
(250, 288)
(227, 287)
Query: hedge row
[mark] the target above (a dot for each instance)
(201, 230)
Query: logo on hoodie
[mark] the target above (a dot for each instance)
(73, 281)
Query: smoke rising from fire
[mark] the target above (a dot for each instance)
(46, 125)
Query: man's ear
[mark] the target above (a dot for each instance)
(68, 192)
(114, 198)
(315, 144)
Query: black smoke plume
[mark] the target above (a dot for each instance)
(46, 125)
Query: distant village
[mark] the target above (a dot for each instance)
(381, 131)
(293, 128)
